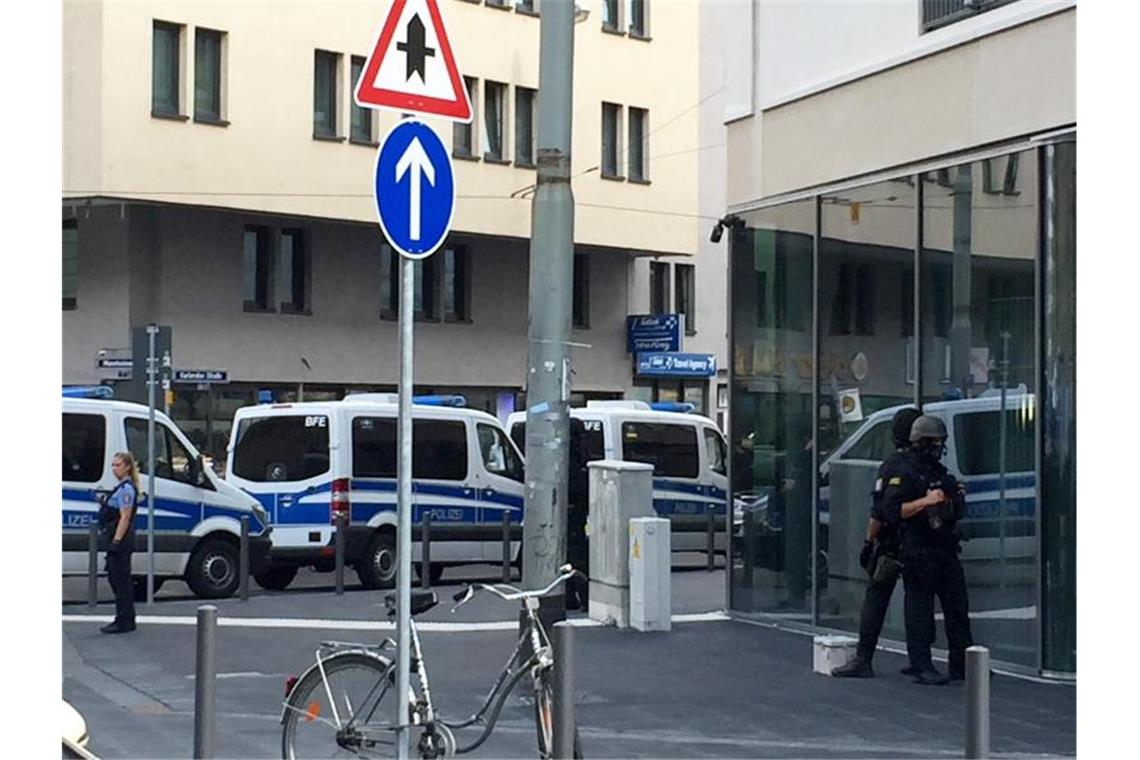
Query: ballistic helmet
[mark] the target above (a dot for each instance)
(901, 424)
(927, 426)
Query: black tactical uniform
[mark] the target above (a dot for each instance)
(578, 509)
(880, 557)
(930, 552)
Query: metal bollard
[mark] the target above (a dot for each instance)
(564, 721)
(425, 552)
(506, 546)
(711, 540)
(244, 587)
(338, 540)
(204, 682)
(977, 702)
(93, 564)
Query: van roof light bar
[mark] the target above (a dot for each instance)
(683, 407)
(88, 391)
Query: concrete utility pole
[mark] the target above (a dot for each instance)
(551, 275)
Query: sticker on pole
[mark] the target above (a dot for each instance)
(412, 68)
(415, 188)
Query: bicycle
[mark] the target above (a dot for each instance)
(339, 703)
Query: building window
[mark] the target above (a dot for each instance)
(937, 13)
(456, 284)
(494, 111)
(524, 126)
(637, 25)
(463, 135)
(685, 294)
(658, 288)
(424, 289)
(70, 262)
(581, 294)
(166, 69)
(611, 131)
(524, 6)
(636, 152)
(257, 269)
(361, 127)
(610, 20)
(325, 66)
(865, 300)
(389, 283)
(207, 75)
(293, 273)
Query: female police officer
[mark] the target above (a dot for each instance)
(120, 524)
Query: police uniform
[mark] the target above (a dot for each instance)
(119, 558)
(930, 560)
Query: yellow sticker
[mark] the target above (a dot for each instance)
(896, 480)
(636, 549)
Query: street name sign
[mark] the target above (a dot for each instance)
(201, 376)
(414, 188)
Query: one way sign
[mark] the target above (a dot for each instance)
(412, 68)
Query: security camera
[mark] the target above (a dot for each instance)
(717, 232)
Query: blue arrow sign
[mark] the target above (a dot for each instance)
(415, 188)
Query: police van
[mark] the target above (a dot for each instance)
(306, 461)
(687, 451)
(197, 516)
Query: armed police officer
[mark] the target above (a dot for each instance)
(880, 554)
(928, 502)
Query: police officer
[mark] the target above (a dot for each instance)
(879, 556)
(578, 509)
(929, 501)
(117, 516)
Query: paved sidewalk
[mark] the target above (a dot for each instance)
(707, 689)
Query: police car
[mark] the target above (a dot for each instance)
(306, 461)
(687, 452)
(197, 516)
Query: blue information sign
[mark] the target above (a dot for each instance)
(672, 364)
(415, 188)
(653, 332)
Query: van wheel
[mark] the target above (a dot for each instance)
(276, 577)
(138, 586)
(377, 568)
(213, 569)
(434, 574)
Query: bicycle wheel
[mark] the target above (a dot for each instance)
(348, 713)
(544, 713)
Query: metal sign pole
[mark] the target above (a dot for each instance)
(151, 331)
(404, 509)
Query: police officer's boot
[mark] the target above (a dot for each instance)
(929, 676)
(857, 668)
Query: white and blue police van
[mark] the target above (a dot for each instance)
(306, 461)
(687, 451)
(197, 516)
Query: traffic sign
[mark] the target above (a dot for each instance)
(415, 188)
(411, 68)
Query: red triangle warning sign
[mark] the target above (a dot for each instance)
(412, 68)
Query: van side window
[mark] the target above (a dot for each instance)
(876, 444)
(593, 441)
(518, 435)
(172, 460)
(374, 447)
(977, 442)
(439, 450)
(292, 447)
(715, 447)
(84, 439)
(671, 449)
(499, 457)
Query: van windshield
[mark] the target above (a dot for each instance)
(671, 449)
(287, 447)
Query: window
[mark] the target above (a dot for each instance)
(671, 449)
(425, 288)
(207, 75)
(360, 130)
(172, 459)
(84, 438)
(456, 284)
(518, 435)
(906, 301)
(166, 57)
(636, 153)
(877, 444)
(524, 126)
(610, 19)
(936, 13)
(498, 3)
(494, 107)
(281, 448)
(293, 272)
(70, 263)
(499, 456)
(463, 135)
(581, 296)
(637, 24)
(865, 300)
(439, 450)
(717, 451)
(853, 306)
(374, 447)
(658, 288)
(257, 269)
(611, 130)
(325, 69)
(524, 6)
(684, 295)
(389, 283)
(977, 440)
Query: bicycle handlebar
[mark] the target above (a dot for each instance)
(461, 598)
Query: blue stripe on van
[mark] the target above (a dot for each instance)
(993, 482)
(670, 484)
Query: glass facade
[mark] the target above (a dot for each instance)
(952, 289)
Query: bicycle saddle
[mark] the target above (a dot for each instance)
(422, 601)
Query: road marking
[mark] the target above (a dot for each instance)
(368, 625)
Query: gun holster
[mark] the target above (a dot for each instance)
(887, 568)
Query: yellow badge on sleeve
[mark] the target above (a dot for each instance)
(895, 481)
